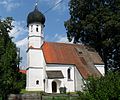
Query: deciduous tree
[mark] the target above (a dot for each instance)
(97, 23)
(10, 78)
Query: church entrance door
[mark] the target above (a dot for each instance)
(54, 87)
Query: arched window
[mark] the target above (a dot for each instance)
(36, 28)
(31, 28)
(69, 73)
(42, 29)
(37, 82)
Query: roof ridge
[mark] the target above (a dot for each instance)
(65, 43)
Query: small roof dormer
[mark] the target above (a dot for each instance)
(35, 16)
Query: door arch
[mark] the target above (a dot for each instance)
(54, 87)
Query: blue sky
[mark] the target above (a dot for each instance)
(54, 26)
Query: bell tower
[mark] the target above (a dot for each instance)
(35, 23)
(35, 58)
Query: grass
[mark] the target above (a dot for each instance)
(23, 91)
(70, 93)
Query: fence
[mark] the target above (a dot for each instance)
(36, 96)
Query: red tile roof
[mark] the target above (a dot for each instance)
(23, 71)
(79, 55)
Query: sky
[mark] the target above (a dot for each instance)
(54, 30)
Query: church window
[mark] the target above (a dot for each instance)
(69, 73)
(31, 28)
(42, 29)
(36, 28)
(37, 82)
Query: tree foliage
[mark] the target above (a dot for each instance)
(105, 88)
(10, 78)
(97, 23)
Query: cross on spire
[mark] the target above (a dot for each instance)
(36, 4)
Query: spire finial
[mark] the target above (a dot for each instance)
(36, 4)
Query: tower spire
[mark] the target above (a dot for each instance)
(35, 16)
(36, 4)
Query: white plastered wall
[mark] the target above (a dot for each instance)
(33, 76)
(32, 29)
(33, 42)
(101, 69)
(69, 84)
(79, 81)
(35, 37)
(48, 85)
(35, 70)
(36, 58)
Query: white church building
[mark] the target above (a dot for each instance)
(52, 65)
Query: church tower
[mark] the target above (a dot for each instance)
(35, 59)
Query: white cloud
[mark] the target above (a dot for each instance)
(61, 38)
(18, 30)
(22, 42)
(9, 4)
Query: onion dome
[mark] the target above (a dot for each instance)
(35, 16)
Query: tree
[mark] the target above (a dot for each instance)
(105, 88)
(10, 78)
(97, 23)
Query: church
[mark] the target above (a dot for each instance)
(52, 66)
